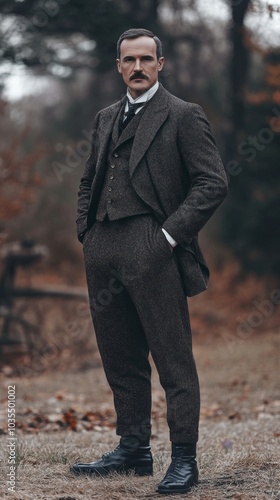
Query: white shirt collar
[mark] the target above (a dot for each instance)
(144, 97)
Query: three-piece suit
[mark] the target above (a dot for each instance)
(162, 171)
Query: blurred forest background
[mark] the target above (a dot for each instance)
(57, 69)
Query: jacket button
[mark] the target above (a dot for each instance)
(109, 200)
(113, 165)
(109, 189)
(116, 155)
(111, 177)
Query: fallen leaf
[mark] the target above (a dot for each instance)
(234, 415)
(70, 418)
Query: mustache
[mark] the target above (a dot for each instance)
(138, 75)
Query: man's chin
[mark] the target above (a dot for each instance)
(139, 86)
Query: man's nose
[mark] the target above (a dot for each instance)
(137, 65)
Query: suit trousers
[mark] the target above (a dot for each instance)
(138, 307)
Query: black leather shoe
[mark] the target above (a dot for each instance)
(126, 457)
(182, 473)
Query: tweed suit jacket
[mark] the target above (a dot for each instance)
(174, 167)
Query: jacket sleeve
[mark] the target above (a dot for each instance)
(206, 172)
(84, 193)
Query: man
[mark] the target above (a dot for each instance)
(153, 179)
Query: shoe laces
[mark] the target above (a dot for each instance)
(110, 452)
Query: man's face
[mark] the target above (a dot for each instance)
(139, 64)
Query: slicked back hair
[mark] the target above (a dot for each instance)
(136, 33)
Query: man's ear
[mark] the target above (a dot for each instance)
(160, 63)
(119, 65)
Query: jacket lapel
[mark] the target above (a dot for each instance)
(154, 116)
(106, 129)
(115, 134)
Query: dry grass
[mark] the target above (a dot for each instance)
(246, 472)
(239, 434)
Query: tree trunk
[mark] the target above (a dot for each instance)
(238, 72)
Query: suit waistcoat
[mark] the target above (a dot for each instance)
(118, 198)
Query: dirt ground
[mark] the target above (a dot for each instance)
(66, 417)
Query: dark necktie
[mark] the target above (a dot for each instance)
(130, 113)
